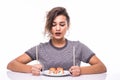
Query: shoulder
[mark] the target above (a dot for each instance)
(43, 44)
(77, 42)
(46, 44)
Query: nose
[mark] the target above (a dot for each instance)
(57, 28)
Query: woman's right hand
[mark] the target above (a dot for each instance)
(36, 69)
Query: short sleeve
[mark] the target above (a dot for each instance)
(86, 53)
(31, 52)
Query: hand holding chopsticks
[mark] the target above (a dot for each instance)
(75, 69)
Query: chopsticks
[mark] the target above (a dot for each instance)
(37, 59)
(37, 55)
(73, 56)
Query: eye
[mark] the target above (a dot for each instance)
(62, 24)
(53, 24)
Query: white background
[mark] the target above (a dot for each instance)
(93, 22)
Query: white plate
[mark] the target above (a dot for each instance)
(46, 72)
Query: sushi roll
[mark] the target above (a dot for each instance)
(60, 70)
(52, 70)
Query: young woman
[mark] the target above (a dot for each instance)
(58, 51)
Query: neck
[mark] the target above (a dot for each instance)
(58, 43)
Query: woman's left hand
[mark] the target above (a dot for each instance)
(75, 70)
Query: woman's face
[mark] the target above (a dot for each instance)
(59, 27)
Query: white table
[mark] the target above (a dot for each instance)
(9, 75)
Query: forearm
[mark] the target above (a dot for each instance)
(19, 67)
(93, 69)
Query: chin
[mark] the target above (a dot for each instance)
(58, 38)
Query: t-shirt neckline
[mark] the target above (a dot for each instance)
(50, 41)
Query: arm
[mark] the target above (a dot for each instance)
(19, 64)
(96, 66)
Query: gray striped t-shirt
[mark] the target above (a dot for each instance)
(51, 56)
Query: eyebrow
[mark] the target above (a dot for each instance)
(60, 22)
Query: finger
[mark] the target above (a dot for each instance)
(35, 73)
(71, 68)
(38, 66)
(35, 69)
(75, 72)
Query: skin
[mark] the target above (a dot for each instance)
(96, 66)
(59, 26)
(58, 31)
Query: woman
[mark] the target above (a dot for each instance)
(58, 51)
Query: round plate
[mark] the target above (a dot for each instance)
(46, 72)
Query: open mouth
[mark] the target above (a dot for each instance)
(57, 33)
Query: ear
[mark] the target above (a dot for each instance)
(68, 26)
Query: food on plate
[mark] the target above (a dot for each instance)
(58, 70)
(52, 71)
